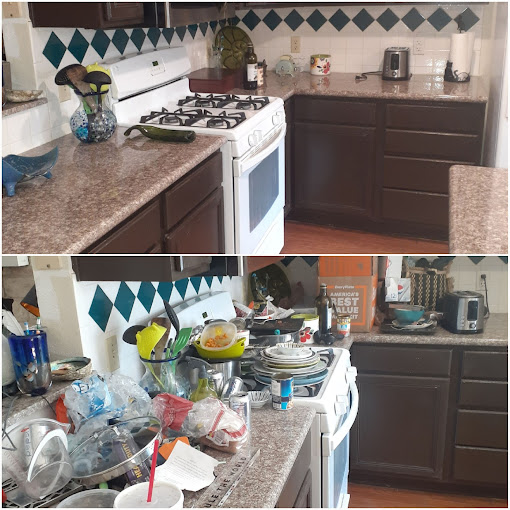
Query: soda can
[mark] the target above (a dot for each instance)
(282, 391)
(240, 403)
(232, 386)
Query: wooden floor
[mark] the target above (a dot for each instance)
(301, 238)
(369, 496)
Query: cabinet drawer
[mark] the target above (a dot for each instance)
(332, 110)
(480, 465)
(454, 119)
(485, 365)
(416, 174)
(462, 148)
(193, 189)
(402, 360)
(484, 395)
(425, 208)
(140, 234)
(482, 428)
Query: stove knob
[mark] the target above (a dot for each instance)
(472, 325)
(252, 140)
(258, 135)
(277, 119)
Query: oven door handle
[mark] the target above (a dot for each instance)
(329, 444)
(261, 153)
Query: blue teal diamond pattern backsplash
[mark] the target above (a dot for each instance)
(148, 294)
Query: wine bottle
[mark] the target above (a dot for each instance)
(324, 308)
(250, 64)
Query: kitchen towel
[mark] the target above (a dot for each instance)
(461, 52)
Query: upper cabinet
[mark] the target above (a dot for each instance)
(108, 15)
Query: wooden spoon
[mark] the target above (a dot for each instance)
(76, 75)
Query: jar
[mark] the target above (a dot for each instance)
(161, 376)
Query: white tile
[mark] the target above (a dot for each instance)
(354, 42)
(18, 127)
(39, 119)
(354, 60)
(41, 138)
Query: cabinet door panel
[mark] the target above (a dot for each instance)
(490, 395)
(123, 11)
(323, 110)
(482, 465)
(482, 428)
(400, 428)
(334, 168)
(485, 365)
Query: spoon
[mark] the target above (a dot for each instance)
(175, 322)
(129, 335)
(98, 78)
(76, 74)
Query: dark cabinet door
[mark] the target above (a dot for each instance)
(401, 424)
(120, 12)
(201, 231)
(334, 168)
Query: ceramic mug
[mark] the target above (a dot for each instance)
(320, 64)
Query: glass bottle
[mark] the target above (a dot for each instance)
(324, 309)
(250, 72)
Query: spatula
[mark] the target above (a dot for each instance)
(180, 342)
(76, 75)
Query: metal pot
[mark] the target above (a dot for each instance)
(227, 368)
(270, 340)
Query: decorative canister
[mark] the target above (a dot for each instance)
(320, 64)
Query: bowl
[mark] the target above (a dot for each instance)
(71, 369)
(408, 314)
(94, 498)
(222, 333)
(232, 351)
(310, 320)
(290, 349)
(259, 398)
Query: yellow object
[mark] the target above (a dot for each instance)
(233, 351)
(97, 67)
(147, 339)
(203, 390)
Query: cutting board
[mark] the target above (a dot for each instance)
(217, 81)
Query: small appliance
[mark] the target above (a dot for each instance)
(396, 63)
(463, 312)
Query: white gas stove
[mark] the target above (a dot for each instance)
(152, 88)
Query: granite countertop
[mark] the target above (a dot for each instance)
(94, 188)
(279, 435)
(420, 87)
(11, 108)
(478, 209)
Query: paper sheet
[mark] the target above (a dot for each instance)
(187, 468)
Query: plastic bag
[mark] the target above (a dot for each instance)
(171, 410)
(216, 425)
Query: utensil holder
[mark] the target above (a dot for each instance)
(93, 126)
(31, 362)
(161, 376)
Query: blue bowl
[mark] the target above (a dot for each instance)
(409, 314)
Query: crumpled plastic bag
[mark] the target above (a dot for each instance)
(171, 410)
(215, 425)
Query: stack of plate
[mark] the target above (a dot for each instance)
(304, 365)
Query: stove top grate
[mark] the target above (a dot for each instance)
(225, 101)
(195, 116)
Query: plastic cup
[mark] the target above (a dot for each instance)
(164, 495)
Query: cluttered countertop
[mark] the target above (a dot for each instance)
(94, 188)
(419, 88)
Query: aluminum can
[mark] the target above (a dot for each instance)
(215, 380)
(232, 385)
(282, 391)
(240, 403)
(343, 324)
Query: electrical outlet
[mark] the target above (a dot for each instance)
(418, 46)
(64, 93)
(295, 44)
(112, 359)
(480, 281)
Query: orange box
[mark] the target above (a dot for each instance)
(347, 266)
(355, 295)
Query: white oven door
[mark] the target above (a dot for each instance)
(335, 451)
(259, 196)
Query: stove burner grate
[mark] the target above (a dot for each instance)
(225, 101)
(194, 116)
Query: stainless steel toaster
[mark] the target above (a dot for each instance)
(396, 63)
(463, 312)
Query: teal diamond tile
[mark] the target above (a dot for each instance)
(223, 22)
(78, 46)
(287, 260)
(467, 19)
(138, 37)
(146, 295)
(294, 20)
(100, 42)
(153, 35)
(208, 280)
(181, 32)
(476, 260)
(272, 20)
(504, 258)
(182, 286)
(339, 19)
(310, 260)
(120, 40)
(125, 300)
(251, 20)
(439, 19)
(413, 19)
(234, 21)
(213, 24)
(168, 33)
(192, 29)
(165, 290)
(203, 27)
(196, 281)
(100, 308)
(54, 50)
(220, 279)
(363, 20)
(388, 19)
(316, 20)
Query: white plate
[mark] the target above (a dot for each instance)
(265, 370)
(259, 398)
(275, 352)
(420, 325)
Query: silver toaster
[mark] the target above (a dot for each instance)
(396, 63)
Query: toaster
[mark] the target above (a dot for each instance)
(463, 312)
(396, 63)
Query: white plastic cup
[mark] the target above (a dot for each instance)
(164, 495)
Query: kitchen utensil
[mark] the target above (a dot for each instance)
(163, 135)
(396, 63)
(464, 312)
(181, 341)
(98, 79)
(233, 351)
(320, 65)
(406, 314)
(268, 327)
(129, 336)
(17, 169)
(93, 498)
(159, 349)
(21, 96)
(165, 495)
(272, 340)
(172, 316)
(76, 75)
(147, 339)
(34, 454)
(218, 336)
(233, 42)
(71, 369)
(61, 78)
(259, 398)
(96, 461)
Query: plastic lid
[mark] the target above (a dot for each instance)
(95, 498)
